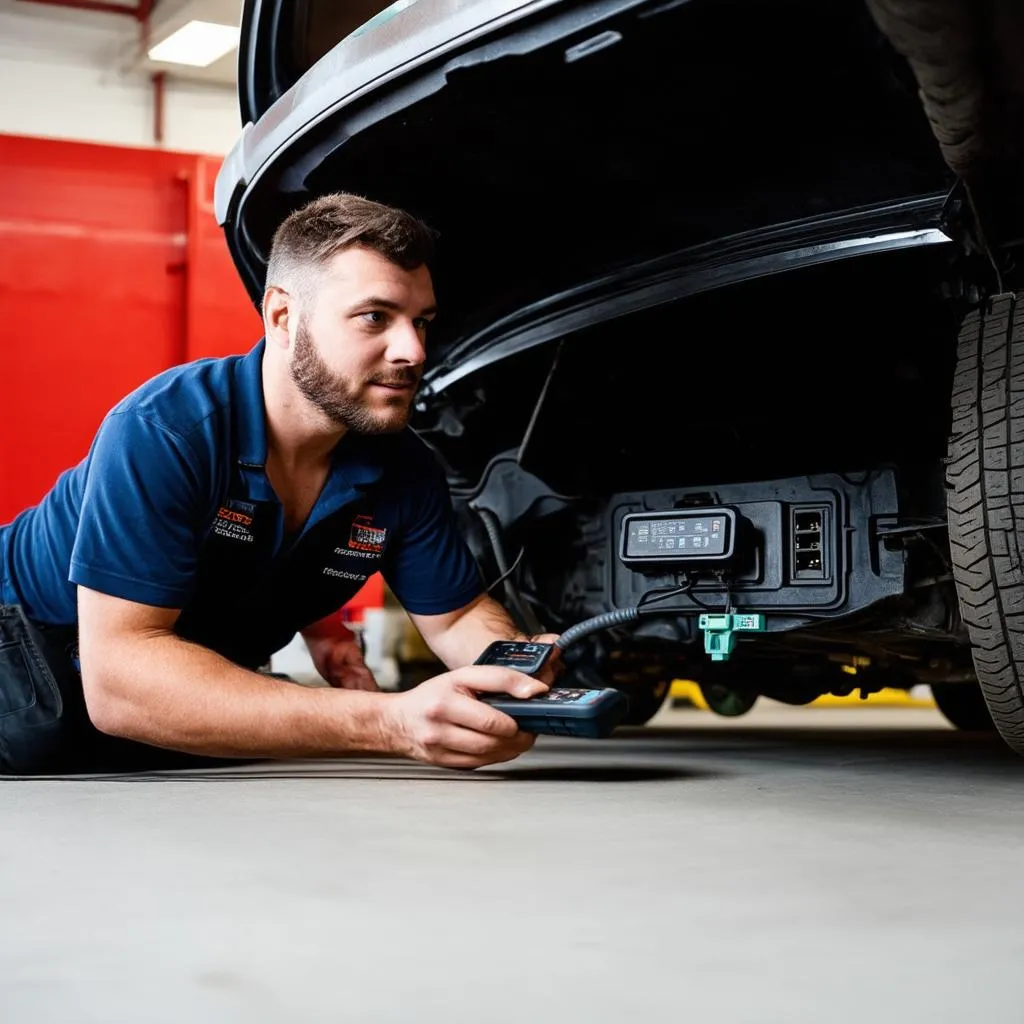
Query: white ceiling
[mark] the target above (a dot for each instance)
(170, 15)
(117, 41)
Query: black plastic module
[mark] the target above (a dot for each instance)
(682, 537)
(812, 548)
(809, 547)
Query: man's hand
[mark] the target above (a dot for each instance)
(460, 637)
(554, 666)
(340, 661)
(442, 722)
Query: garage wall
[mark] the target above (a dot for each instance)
(112, 268)
(67, 74)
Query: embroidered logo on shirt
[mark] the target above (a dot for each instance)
(359, 577)
(364, 536)
(234, 521)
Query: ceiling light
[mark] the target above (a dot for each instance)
(198, 43)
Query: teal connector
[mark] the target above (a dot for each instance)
(720, 629)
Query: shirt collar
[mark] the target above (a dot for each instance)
(251, 412)
(356, 461)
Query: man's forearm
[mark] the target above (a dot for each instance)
(169, 693)
(464, 639)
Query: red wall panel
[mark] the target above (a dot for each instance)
(221, 320)
(112, 268)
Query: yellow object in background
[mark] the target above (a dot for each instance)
(686, 691)
(918, 697)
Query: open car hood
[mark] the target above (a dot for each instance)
(567, 151)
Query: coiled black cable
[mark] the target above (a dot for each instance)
(594, 625)
(621, 615)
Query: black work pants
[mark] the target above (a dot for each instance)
(44, 725)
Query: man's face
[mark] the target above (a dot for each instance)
(358, 354)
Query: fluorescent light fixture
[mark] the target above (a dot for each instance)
(199, 43)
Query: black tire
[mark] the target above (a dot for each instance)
(646, 680)
(985, 499)
(963, 705)
(725, 701)
(645, 701)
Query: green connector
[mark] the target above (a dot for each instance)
(720, 629)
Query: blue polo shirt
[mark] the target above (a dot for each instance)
(172, 507)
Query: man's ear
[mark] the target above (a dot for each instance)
(279, 311)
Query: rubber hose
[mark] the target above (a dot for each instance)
(594, 625)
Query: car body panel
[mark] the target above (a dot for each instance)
(367, 58)
(378, 113)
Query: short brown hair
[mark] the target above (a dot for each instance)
(309, 237)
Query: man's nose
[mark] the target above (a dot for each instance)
(405, 345)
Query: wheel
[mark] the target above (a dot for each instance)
(645, 701)
(725, 701)
(985, 499)
(963, 706)
(643, 676)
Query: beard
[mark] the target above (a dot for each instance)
(340, 399)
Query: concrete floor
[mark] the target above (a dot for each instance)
(798, 865)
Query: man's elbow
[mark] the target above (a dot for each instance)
(108, 711)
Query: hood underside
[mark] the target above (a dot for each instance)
(588, 138)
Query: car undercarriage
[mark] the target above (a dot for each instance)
(813, 403)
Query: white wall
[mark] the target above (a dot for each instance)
(61, 77)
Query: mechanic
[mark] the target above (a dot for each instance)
(227, 504)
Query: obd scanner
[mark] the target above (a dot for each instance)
(562, 711)
(683, 542)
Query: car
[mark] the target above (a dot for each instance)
(730, 360)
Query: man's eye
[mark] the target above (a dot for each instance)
(375, 317)
(420, 323)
